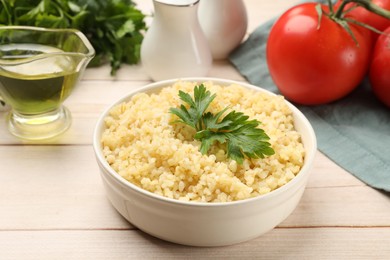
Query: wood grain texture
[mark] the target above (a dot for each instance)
(53, 204)
(66, 192)
(280, 243)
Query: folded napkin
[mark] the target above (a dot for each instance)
(354, 132)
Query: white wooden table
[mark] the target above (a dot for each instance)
(53, 205)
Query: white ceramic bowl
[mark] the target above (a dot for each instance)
(204, 224)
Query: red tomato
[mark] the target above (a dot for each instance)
(363, 15)
(380, 68)
(312, 65)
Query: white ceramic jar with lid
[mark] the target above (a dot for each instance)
(224, 23)
(175, 45)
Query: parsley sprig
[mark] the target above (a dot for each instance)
(242, 136)
(114, 27)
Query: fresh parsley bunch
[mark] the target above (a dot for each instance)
(243, 137)
(114, 27)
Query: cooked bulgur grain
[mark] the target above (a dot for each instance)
(144, 147)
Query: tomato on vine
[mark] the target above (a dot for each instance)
(380, 68)
(361, 14)
(315, 55)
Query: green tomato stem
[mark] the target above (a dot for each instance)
(367, 4)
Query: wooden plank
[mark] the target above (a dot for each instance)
(341, 206)
(220, 69)
(53, 204)
(126, 72)
(79, 133)
(317, 243)
(66, 192)
(327, 174)
(63, 192)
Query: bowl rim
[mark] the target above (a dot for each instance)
(304, 171)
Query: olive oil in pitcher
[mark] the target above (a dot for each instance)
(38, 86)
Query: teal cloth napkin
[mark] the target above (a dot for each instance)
(354, 132)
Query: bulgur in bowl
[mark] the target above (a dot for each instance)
(156, 177)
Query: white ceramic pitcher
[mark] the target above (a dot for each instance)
(224, 23)
(175, 45)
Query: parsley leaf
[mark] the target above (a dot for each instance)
(242, 136)
(193, 115)
(114, 27)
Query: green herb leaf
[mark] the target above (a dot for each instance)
(114, 27)
(242, 136)
(192, 116)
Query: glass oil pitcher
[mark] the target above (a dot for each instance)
(39, 68)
